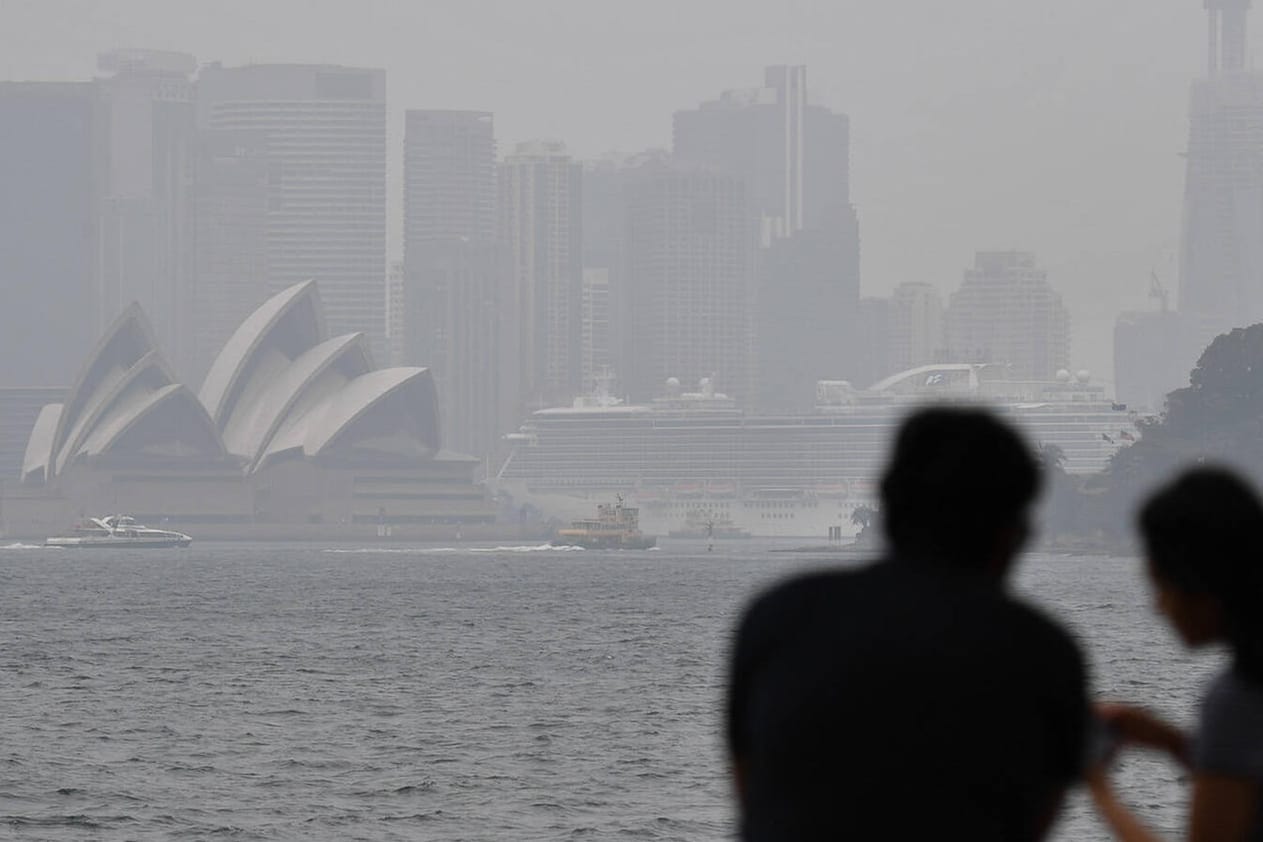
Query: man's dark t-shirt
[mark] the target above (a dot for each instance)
(902, 701)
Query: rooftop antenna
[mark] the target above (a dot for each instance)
(1157, 290)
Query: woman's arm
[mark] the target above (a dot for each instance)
(1116, 814)
(1137, 726)
(1223, 809)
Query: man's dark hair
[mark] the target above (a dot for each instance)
(957, 477)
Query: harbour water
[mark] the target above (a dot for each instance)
(307, 692)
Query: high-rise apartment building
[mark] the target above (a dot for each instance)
(689, 280)
(50, 171)
(916, 326)
(147, 223)
(323, 128)
(541, 207)
(458, 313)
(1221, 267)
(230, 251)
(1005, 312)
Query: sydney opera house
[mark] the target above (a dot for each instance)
(293, 434)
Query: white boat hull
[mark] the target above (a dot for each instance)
(121, 531)
(120, 543)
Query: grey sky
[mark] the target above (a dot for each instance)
(1049, 126)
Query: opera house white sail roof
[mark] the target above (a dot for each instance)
(280, 388)
(125, 403)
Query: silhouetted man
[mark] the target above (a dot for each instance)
(913, 698)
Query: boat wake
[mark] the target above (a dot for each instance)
(532, 548)
(20, 546)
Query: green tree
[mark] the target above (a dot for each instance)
(1217, 418)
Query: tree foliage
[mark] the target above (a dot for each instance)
(1217, 418)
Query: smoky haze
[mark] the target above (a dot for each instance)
(979, 124)
(400, 333)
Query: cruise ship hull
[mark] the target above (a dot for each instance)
(697, 458)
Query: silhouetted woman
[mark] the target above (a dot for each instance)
(1203, 536)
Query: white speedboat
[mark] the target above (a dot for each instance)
(118, 531)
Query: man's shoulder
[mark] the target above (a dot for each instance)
(853, 595)
(797, 590)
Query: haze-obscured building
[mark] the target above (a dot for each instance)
(324, 135)
(1221, 268)
(147, 223)
(596, 359)
(794, 156)
(51, 163)
(230, 250)
(541, 212)
(460, 321)
(604, 253)
(690, 280)
(804, 318)
(872, 341)
(916, 326)
(1006, 312)
(459, 311)
(395, 335)
(1151, 358)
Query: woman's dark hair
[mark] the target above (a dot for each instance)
(956, 477)
(1203, 534)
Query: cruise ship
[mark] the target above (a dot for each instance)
(691, 455)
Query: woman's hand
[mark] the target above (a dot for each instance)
(1138, 727)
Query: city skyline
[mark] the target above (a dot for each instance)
(1084, 84)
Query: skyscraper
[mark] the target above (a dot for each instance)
(1149, 358)
(1221, 271)
(604, 230)
(807, 298)
(458, 315)
(50, 169)
(147, 220)
(595, 345)
(541, 205)
(1005, 312)
(230, 254)
(872, 341)
(395, 311)
(450, 175)
(794, 155)
(324, 134)
(689, 280)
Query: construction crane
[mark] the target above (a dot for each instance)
(1157, 290)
